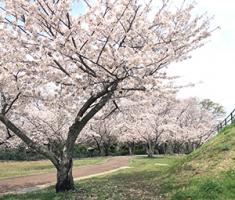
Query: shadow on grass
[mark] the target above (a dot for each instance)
(124, 185)
(141, 181)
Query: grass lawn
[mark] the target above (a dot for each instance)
(22, 168)
(206, 174)
(141, 181)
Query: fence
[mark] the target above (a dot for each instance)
(216, 129)
(228, 120)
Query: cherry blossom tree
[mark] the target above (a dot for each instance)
(215, 108)
(198, 121)
(100, 135)
(185, 125)
(127, 137)
(166, 123)
(57, 70)
(143, 120)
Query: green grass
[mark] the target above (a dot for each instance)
(140, 181)
(22, 168)
(206, 174)
(221, 187)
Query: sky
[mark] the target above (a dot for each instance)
(211, 67)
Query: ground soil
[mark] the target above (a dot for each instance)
(24, 182)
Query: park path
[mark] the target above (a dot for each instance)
(32, 181)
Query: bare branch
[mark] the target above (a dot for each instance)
(61, 68)
(112, 111)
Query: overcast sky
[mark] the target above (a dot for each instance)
(213, 64)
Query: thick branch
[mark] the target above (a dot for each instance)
(23, 136)
(91, 100)
(78, 125)
(134, 89)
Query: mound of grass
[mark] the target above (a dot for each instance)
(208, 173)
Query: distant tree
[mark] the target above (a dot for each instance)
(215, 108)
(194, 123)
(181, 125)
(100, 135)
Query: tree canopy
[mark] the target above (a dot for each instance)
(58, 70)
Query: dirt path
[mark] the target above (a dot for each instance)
(31, 181)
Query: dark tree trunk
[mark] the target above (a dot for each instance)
(64, 177)
(106, 148)
(98, 146)
(106, 152)
(99, 149)
(150, 154)
(150, 149)
(130, 150)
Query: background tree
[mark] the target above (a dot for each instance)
(128, 137)
(215, 108)
(192, 125)
(100, 135)
(166, 125)
(71, 66)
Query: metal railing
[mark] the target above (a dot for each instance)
(227, 121)
(216, 129)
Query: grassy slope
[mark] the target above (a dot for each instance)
(18, 168)
(208, 173)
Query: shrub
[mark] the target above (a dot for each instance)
(19, 153)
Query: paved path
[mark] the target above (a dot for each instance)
(30, 181)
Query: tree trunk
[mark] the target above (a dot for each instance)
(63, 162)
(106, 152)
(64, 177)
(100, 150)
(106, 149)
(150, 153)
(150, 150)
(130, 150)
(98, 146)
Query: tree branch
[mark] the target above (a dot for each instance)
(23, 136)
(91, 100)
(78, 125)
(61, 68)
(12, 103)
(102, 50)
(112, 111)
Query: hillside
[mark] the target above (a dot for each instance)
(207, 173)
